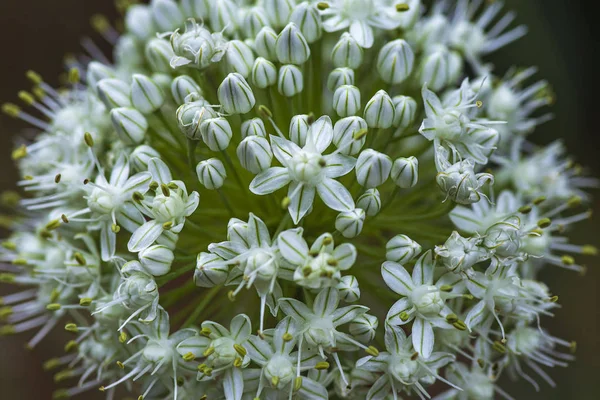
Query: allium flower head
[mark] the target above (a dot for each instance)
(373, 220)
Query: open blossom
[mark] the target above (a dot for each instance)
(432, 201)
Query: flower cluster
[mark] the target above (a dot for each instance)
(282, 199)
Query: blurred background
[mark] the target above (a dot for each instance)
(562, 41)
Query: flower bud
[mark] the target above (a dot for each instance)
(210, 270)
(253, 127)
(223, 16)
(156, 259)
(395, 61)
(264, 73)
(299, 126)
(364, 327)
(166, 14)
(307, 18)
(347, 53)
(405, 172)
(114, 93)
(141, 155)
(159, 54)
(279, 11)
(237, 230)
(339, 77)
(291, 46)
(344, 135)
(291, 81)
(370, 201)
(405, 113)
(440, 68)
(460, 254)
(130, 124)
(401, 249)
(216, 133)
(182, 87)
(254, 20)
(460, 182)
(211, 173)
(372, 168)
(190, 117)
(379, 111)
(235, 95)
(139, 22)
(348, 289)
(197, 9)
(146, 95)
(350, 223)
(254, 153)
(265, 43)
(346, 100)
(96, 72)
(239, 57)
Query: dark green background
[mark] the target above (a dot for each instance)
(35, 34)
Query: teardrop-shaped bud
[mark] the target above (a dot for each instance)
(405, 113)
(440, 68)
(370, 201)
(265, 43)
(141, 155)
(156, 259)
(253, 127)
(299, 126)
(364, 327)
(253, 21)
(307, 18)
(140, 22)
(223, 16)
(279, 11)
(197, 9)
(96, 72)
(166, 14)
(348, 289)
(291, 81)
(146, 95)
(347, 53)
(182, 87)
(347, 135)
(291, 46)
(339, 77)
(380, 111)
(239, 58)
(395, 61)
(191, 115)
(211, 173)
(114, 93)
(372, 168)
(350, 223)
(254, 153)
(216, 133)
(346, 100)
(159, 54)
(210, 271)
(235, 95)
(264, 73)
(130, 124)
(401, 249)
(405, 172)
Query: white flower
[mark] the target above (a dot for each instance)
(308, 171)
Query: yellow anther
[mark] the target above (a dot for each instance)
(264, 111)
(19, 153)
(231, 295)
(71, 328)
(402, 7)
(241, 350)
(589, 250)
(62, 375)
(285, 203)
(80, 259)
(34, 77)
(55, 223)
(51, 364)
(115, 228)
(39, 92)
(404, 316)
(53, 307)
(122, 337)
(297, 383)
(165, 190)
(460, 325)
(86, 301)
(74, 75)
(322, 5)
(553, 299)
(7, 330)
(120, 365)
(208, 351)
(238, 362)
(205, 331)
(71, 346)
(100, 23)
(287, 337)
(64, 218)
(479, 103)
(371, 350)
(189, 356)
(499, 347)
(525, 209)
(567, 260)
(322, 365)
(573, 346)
(9, 245)
(574, 201)
(544, 223)
(19, 261)
(10, 109)
(539, 200)
(26, 97)
(167, 225)
(89, 140)
(451, 318)
(7, 278)
(54, 295)
(275, 381)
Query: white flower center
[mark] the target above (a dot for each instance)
(479, 386)
(403, 369)
(224, 353)
(307, 167)
(158, 351)
(427, 299)
(168, 208)
(280, 367)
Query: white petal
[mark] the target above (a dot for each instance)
(394, 338)
(320, 134)
(159, 170)
(475, 315)
(338, 165)
(259, 350)
(283, 149)
(422, 337)
(363, 33)
(423, 271)
(258, 233)
(144, 236)
(192, 203)
(335, 195)
(347, 314)
(108, 240)
(293, 247)
(433, 105)
(397, 278)
(240, 328)
(311, 390)
(326, 302)
(270, 180)
(345, 255)
(393, 315)
(300, 200)
(233, 384)
(130, 217)
(138, 183)
(335, 23)
(380, 389)
(295, 309)
(120, 172)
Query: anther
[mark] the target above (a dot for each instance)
(26, 97)
(53, 307)
(322, 5)
(86, 301)
(89, 140)
(80, 259)
(115, 228)
(499, 347)
(19, 153)
(321, 365)
(402, 7)
(165, 190)
(285, 203)
(371, 350)
(460, 325)
(287, 337)
(189, 356)
(264, 111)
(241, 350)
(34, 77)
(71, 327)
(544, 223)
(10, 109)
(451, 318)
(74, 76)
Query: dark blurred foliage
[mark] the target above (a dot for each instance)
(562, 42)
